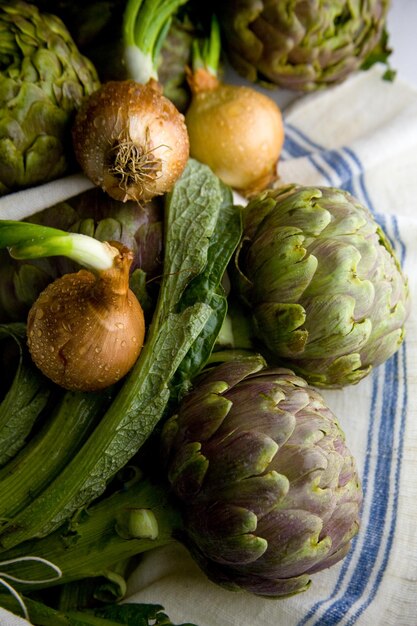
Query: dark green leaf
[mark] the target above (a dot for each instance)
(24, 400)
(207, 286)
(137, 615)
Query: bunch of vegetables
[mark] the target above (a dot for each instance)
(122, 346)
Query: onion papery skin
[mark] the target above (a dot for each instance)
(130, 140)
(85, 331)
(235, 130)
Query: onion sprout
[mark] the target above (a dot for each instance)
(145, 26)
(235, 129)
(32, 241)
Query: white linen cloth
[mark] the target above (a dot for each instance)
(9, 619)
(361, 136)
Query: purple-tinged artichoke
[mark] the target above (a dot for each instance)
(303, 45)
(323, 284)
(270, 491)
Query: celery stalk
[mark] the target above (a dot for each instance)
(106, 534)
(25, 476)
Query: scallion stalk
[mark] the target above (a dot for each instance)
(206, 53)
(32, 241)
(145, 25)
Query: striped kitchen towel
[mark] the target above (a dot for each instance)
(361, 136)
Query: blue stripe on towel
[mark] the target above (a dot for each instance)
(373, 533)
(378, 580)
(363, 188)
(296, 151)
(397, 238)
(333, 158)
(360, 576)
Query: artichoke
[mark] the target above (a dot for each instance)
(303, 45)
(43, 79)
(270, 491)
(325, 288)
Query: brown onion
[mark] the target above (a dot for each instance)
(130, 140)
(85, 331)
(237, 131)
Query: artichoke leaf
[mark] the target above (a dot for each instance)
(260, 494)
(280, 264)
(338, 273)
(332, 328)
(281, 327)
(344, 370)
(296, 541)
(188, 469)
(220, 520)
(238, 455)
(241, 549)
(306, 214)
(378, 352)
(206, 411)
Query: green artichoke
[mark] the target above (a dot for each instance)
(43, 79)
(324, 286)
(270, 491)
(303, 45)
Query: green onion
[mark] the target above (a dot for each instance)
(32, 241)
(145, 25)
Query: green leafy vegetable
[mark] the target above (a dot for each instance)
(137, 615)
(50, 449)
(112, 615)
(24, 400)
(224, 241)
(194, 211)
